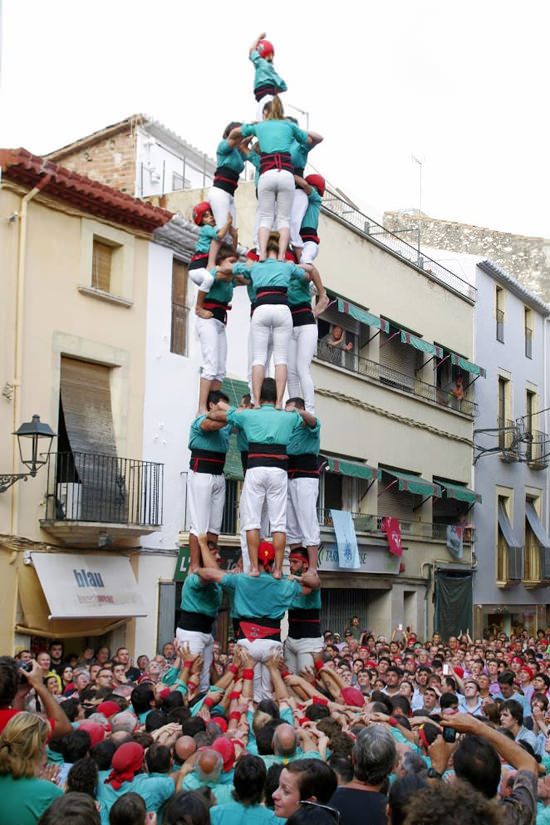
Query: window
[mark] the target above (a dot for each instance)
(180, 311)
(506, 438)
(509, 552)
(499, 312)
(336, 492)
(398, 361)
(107, 257)
(528, 329)
(102, 261)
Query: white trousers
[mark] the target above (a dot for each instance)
(302, 522)
(309, 252)
(298, 652)
(275, 187)
(299, 208)
(202, 643)
(265, 484)
(264, 530)
(270, 322)
(301, 349)
(202, 278)
(205, 502)
(213, 343)
(261, 650)
(222, 204)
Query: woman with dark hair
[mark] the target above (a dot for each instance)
(129, 809)
(249, 781)
(400, 794)
(230, 159)
(187, 808)
(308, 780)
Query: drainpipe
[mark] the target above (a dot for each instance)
(19, 306)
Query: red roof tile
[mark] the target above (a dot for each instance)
(22, 167)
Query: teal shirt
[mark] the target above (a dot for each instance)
(221, 291)
(298, 292)
(235, 813)
(311, 218)
(305, 441)
(215, 440)
(298, 155)
(262, 596)
(222, 791)
(265, 72)
(207, 234)
(156, 789)
(270, 273)
(275, 135)
(266, 425)
(308, 601)
(201, 598)
(230, 157)
(24, 800)
(254, 158)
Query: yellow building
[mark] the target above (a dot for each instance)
(74, 281)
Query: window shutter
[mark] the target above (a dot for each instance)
(101, 266)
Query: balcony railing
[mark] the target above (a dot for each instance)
(508, 438)
(90, 487)
(368, 523)
(332, 204)
(392, 378)
(538, 448)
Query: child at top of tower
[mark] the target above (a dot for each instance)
(267, 82)
(202, 259)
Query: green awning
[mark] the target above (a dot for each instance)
(419, 343)
(351, 468)
(362, 315)
(233, 467)
(459, 361)
(415, 484)
(460, 493)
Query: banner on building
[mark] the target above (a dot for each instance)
(455, 537)
(346, 540)
(391, 528)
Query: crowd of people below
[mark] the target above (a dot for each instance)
(385, 729)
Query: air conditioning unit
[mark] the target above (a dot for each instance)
(69, 495)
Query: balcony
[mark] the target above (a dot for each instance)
(334, 205)
(367, 523)
(538, 449)
(96, 500)
(358, 365)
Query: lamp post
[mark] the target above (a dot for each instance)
(28, 437)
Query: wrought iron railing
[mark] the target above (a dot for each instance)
(537, 448)
(368, 523)
(90, 487)
(392, 378)
(334, 205)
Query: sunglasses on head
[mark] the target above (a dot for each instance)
(333, 811)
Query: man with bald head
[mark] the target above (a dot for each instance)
(184, 747)
(208, 771)
(286, 746)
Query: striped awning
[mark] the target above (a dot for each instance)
(420, 344)
(354, 469)
(362, 315)
(415, 484)
(460, 492)
(467, 366)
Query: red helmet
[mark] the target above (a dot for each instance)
(266, 553)
(265, 48)
(199, 210)
(318, 181)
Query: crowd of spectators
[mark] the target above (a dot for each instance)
(378, 729)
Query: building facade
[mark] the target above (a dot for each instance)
(512, 578)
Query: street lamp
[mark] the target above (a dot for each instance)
(28, 437)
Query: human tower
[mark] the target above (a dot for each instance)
(279, 447)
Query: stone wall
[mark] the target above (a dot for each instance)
(526, 259)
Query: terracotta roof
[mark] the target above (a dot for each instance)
(22, 167)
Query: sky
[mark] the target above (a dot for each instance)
(462, 87)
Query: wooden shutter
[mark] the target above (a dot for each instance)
(101, 266)
(86, 408)
(399, 360)
(178, 338)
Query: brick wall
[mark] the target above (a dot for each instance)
(526, 259)
(111, 160)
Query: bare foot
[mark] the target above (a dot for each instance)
(203, 313)
(321, 305)
(254, 572)
(277, 573)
